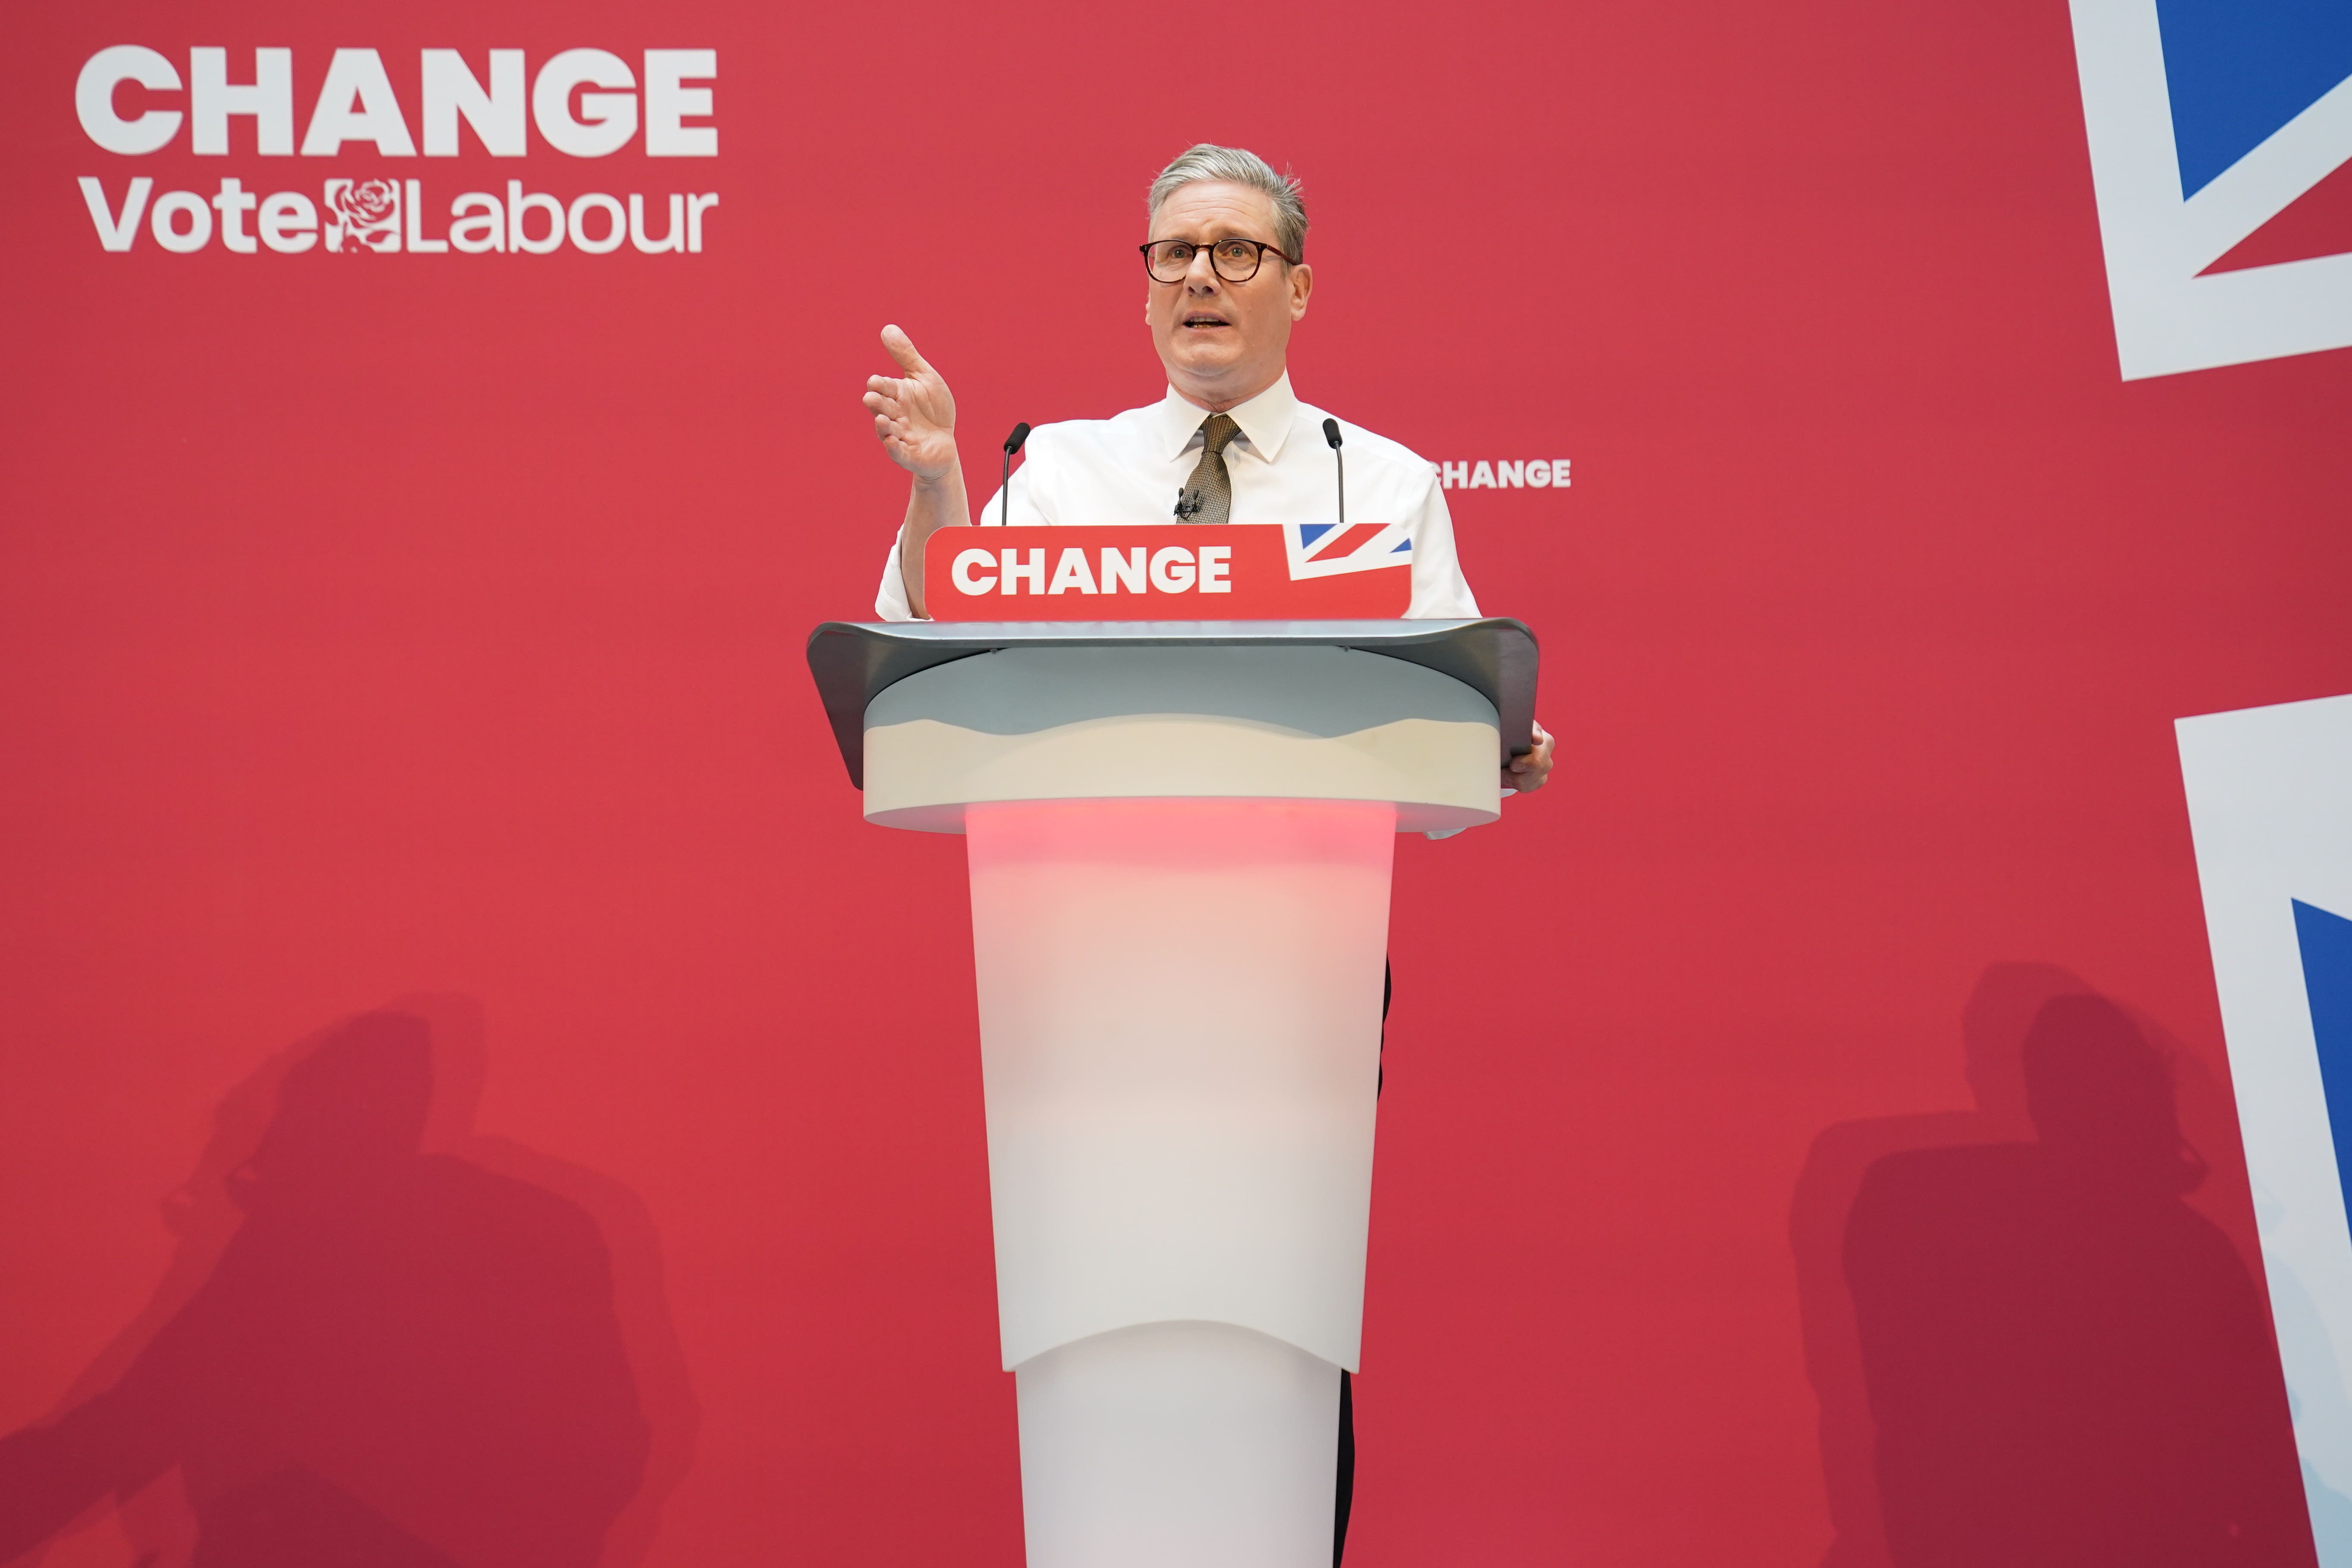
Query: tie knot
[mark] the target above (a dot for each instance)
(1218, 429)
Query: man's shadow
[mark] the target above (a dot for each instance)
(2029, 1349)
(384, 1341)
(1992, 1033)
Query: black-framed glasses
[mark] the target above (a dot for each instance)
(1234, 261)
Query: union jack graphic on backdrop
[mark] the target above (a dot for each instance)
(2220, 135)
(1330, 548)
(2270, 807)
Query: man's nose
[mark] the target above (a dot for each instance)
(1201, 277)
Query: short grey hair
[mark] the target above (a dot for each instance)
(1236, 165)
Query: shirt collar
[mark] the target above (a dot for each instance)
(1265, 419)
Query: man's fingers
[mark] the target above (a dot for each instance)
(1526, 774)
(900, 399)
(902, 349)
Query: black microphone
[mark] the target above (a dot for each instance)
(1012, 445)
(1340, 462)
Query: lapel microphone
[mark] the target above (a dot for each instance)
(1012, 445)
(1340, 462)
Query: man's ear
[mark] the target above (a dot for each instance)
(1302, 284)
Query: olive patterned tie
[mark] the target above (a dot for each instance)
(1208, 495)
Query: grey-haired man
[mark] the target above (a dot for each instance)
(1227, 282)
(1225, 256)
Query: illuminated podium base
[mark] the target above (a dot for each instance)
(1178, 1446)
(1179, 840)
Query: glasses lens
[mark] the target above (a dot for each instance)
(1236, 259)
(1170, 259)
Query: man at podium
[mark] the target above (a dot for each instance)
(1230, 442)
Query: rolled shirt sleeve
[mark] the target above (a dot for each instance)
(890, 602)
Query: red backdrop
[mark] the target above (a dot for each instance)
(389, 625)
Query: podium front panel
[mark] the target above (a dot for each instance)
(1180, 1012)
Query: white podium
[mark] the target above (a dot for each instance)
(1180, 838)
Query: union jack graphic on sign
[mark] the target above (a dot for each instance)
(1330, 548)
(2220, 139)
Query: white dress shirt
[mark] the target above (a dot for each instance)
(1129, 468)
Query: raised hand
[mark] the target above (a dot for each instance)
(913, 413)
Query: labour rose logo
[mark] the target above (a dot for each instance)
(363, 215)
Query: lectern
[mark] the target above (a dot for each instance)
(1180, 837)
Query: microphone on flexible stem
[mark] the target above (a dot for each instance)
(1339, 461)
(1012, 445)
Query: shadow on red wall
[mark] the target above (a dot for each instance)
(2028, 1347)
(383, 1342)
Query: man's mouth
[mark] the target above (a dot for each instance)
(1206, 319)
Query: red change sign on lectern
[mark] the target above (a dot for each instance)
(1170, 571)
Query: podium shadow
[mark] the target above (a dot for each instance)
(2028, 1347)
(384, 1341)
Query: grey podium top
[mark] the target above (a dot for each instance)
(854, 661)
